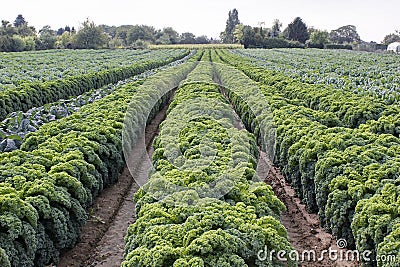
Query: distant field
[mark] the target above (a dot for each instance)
(40, 66)
(358, 72)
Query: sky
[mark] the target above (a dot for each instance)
(373, 19)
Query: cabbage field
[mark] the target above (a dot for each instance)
(328, 120)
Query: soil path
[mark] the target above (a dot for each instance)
(304, 230)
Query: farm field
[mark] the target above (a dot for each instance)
(359, 72)
(198, 157)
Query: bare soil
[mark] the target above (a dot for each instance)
(304, 229)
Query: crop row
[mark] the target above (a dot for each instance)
(41, 66)
(362, 73)
(339, 172)
(36, 94)
(351, 109)
(201, 206)
(46, 186)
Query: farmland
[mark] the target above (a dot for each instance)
(326, 122)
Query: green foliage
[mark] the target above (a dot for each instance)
(140, 32)
(187, 38)
(19, 21)
(345, 35)
(254, 37)
(318, 39)
(351, 108)
(376, 224)
(338, 46)
(276, 28)
(270, 43)
(168, 36)
(4, 259)
(297, 31)
(227, 36)
(90, 36)
(248, 36)
(391, 38)
(47, 39)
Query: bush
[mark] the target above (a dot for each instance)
(338, 46)
(280, 43)
(312, 45)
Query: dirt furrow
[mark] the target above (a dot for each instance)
(304, 230)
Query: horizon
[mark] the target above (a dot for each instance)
(208, 18)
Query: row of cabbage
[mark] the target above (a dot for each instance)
(46, 186)
(350, 109)
(41, 66)
(350, 176)
(203, 204)
(359, 72)
(18, 124)
(35, 94)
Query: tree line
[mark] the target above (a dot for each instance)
(19, 36)
(296, 34)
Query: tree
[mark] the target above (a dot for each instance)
(238, 33)
(345, 34)
(391, 38)
(90, 36)
(47, 39)
(202, 40)
(66, 40)
(141, 32)
(19, 21)
(233, 20)
(276, 28)
(7, 29)
(319, 38)
(47, 30)
(188, 38)
(297, 31)
(260, 35)
(60, 31)
(245, 35)
(110, 30)
(25, 30)
(122, 34)
(168, 36)
(22, 28)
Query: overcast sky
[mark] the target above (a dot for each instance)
(373, 19)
